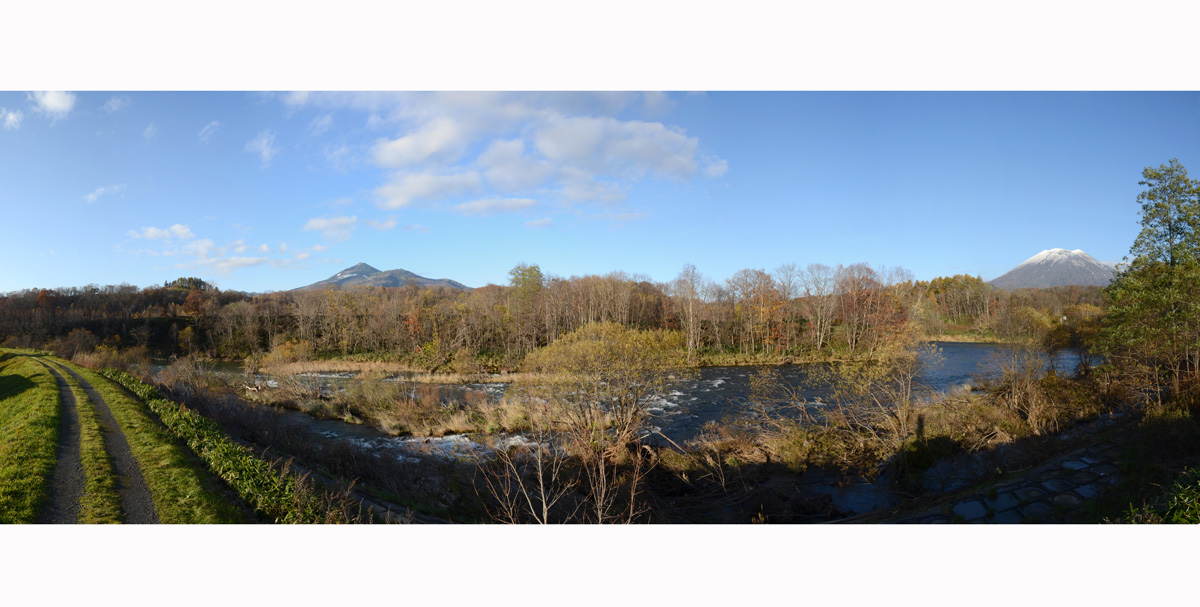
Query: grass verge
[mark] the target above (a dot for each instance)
(183, 490)
(277, 495)
(29, 426)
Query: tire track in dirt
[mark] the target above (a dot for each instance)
(137, 504)
(67, 482)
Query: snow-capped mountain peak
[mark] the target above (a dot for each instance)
(1056, 267)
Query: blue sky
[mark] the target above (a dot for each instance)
(262, 192)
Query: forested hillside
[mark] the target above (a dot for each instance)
(753, 316)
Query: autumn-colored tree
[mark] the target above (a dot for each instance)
(601, 379)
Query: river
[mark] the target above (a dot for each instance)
(716, 394)
(700, 396)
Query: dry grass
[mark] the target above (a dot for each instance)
(387, 369)
(397, 408)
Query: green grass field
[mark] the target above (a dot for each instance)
(182, 488)
(29, 425)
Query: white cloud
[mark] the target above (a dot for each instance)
(581, 186)
(151, 233)
(715, 167)
(620, 218)
(177, 231)
(441, 138)
(208, 130)
(55, 104)
(232, 263)
(333, 228)
(657, 102)
(341, 158)
(264, 146)
(319, 247)
(382, 226)
(12, 118)
(200, 248)
(488, 206)
(283, 247)
(509, 169)
(578, 147)
(320, 124)
(296, 98)
(116, 103)
(628, 149)
(540, 223)
(303, 255)
(406, 189)
(203, 254)
(150, 132)
(225, 265)
(102, 190)
(416, 227)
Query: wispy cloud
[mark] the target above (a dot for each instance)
(715, 167)
(102, 190)
(208, 130)
(341, 158)
(150, 132)
(416, 227)
(177, 231)
(657, 102)
(201, 247)
(410, 188)
(116, 103)
(382, 226)
(320, 124)
(12, 118)
(333, 228)
(264, 146)
(55, 104)
(540, 223)
(204, 254)
(226, 265)
(488, 206)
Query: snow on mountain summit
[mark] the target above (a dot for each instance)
(1056, 267)
(1076, 256)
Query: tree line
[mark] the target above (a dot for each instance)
(812, 311)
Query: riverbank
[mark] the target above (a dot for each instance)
(377, 369)
(969, 338)
(386, 369)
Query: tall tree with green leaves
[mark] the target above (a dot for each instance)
(1153, 326)
(1170, 216)
(526, 285)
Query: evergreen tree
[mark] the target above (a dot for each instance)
(1153, 326)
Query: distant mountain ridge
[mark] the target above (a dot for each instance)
(364, 275)
(1056, 268)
